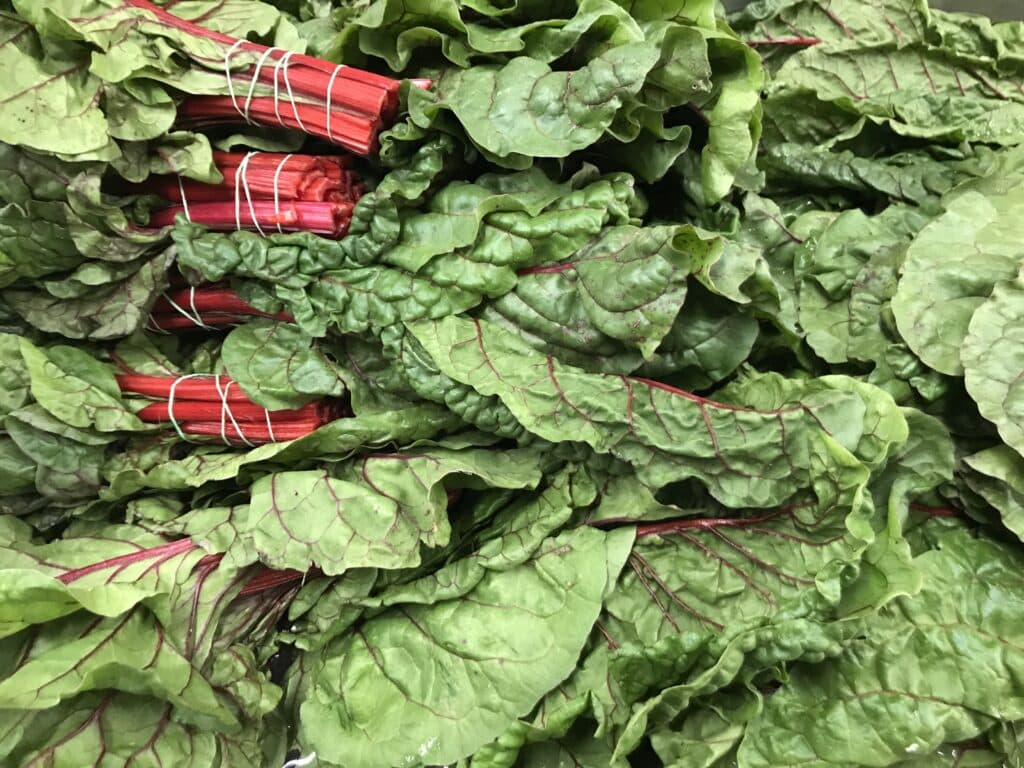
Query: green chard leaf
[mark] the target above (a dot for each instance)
(747, 453)
(517, 637)
(993, 361)
(374, 512)
(951, 269)
(278, 366)
(942, 654)
(997, 475)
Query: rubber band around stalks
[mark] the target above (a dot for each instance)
(282, 66)
(194, 316)
(330, 94)
(227, 73)
(226, 413)
(170, 404)
(241, 181)
(184, 200)
(252, 83)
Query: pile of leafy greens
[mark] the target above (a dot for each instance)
(684, 360)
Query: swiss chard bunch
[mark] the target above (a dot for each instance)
(573, 423)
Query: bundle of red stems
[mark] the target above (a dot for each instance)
(202, 405)
(264, 176)
(344, 105)
(264, 192)
(355, 133)
(327, 219)
(208, 307)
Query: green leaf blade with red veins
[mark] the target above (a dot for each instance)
(944, 666)
(119, 568)
(916, 90)
(837, 24)
(125, 731)
(627, 287)
(77, 388)
(374, 512)
(107, 729)
(517, 635)
(110, 310)
(747, 456)
(130, 653)
(50, 100)
(278, 366)
(703, 601)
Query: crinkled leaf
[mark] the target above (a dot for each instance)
(941, 666)
(523, 108)
(745, 453)
(115, 305)
(993, 360)
(278, 366)
(709, 340)
(374, 514)
(951, 268)
(469, 668)
(627, 286)
(998, 477)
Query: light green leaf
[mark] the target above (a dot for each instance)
(278, 366)
(998, 477)
(373, 513)
(80, 654)
(524, 108)
(50, 98)
(993, 359)
(115, 302)
(747, 453)
(951, 268)
(939, 667)
(76, 388)
(468, 668)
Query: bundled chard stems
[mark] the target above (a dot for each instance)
(205, 308)
(213, 406)
(344, 105)
(263, 192)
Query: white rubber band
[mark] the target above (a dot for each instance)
(227, 74)
(170, 405)
(277, 92)
(252, 83)
(277, 190)
(301, 762)
(184, 200)
(225, 414)
(155, 327)
(330, 92)
(194, 315)
(285, 61)
(242, 181)
(270, 427)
